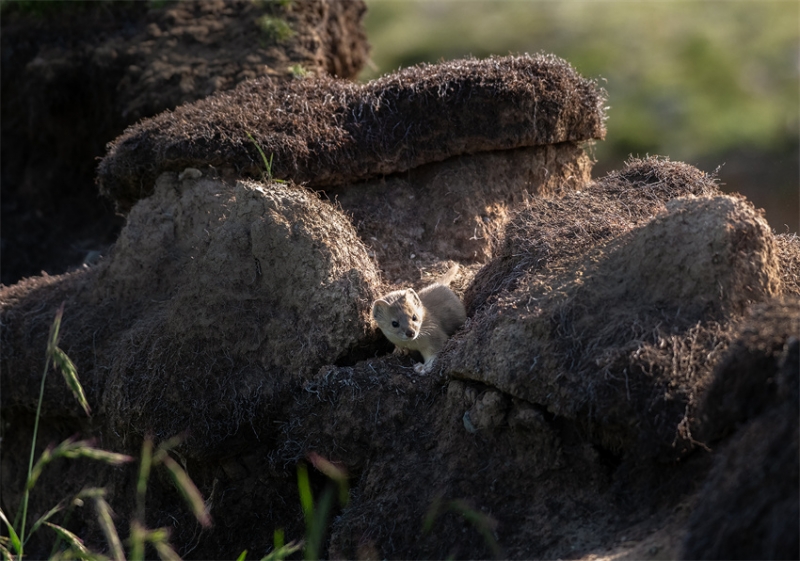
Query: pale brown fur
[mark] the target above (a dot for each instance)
(421, 322)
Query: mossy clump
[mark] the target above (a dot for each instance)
(275, 29)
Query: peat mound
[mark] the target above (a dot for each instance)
(789, 257)
(581, 399)
(212, 289)
(625, 199)
(75, 74)
(748, 507)
(324, 132)
(610, 306)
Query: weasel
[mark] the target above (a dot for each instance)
(421, 322)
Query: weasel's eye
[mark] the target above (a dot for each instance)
(395, 324)
(413, 318)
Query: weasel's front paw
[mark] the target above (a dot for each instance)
(423, 367)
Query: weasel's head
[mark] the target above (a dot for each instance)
(399, 315)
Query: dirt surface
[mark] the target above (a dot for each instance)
(77, 74)
(456, 209)
(625, 385)
(273, 267)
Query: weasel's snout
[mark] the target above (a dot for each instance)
(410, 334)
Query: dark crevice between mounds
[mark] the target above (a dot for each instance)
(748, 505)
(573, 436)
(609, 460)
(756, 373)
(376, 345)
(494, 409)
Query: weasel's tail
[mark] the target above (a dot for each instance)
(449, 276)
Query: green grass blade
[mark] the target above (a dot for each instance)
(188, 490)
(167, 445)
(136, 540)
(108, 527)
(68, 448)
(92, 453)
(52, 342)
(138, 533)
(36, 471)
(242, 556)
(70, 373)
(315, 534)
(72, 449)
(44, 518)
(485, 524)
(334, 472)
(279, 554)
(260, 151)
(5, 554)
(74, 542)
(166, 553)
(53, 337)
(16, 544)
(267, 163)
(144, 474)
(159, 538)
(306, 498)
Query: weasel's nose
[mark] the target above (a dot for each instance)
(410, 334)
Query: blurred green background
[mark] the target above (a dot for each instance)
(710, 83)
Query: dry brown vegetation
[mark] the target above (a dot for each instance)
(610, 305)
(324, 132)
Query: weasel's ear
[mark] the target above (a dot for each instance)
(380, 308)
(412, 297)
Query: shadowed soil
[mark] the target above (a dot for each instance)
(74, 77)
